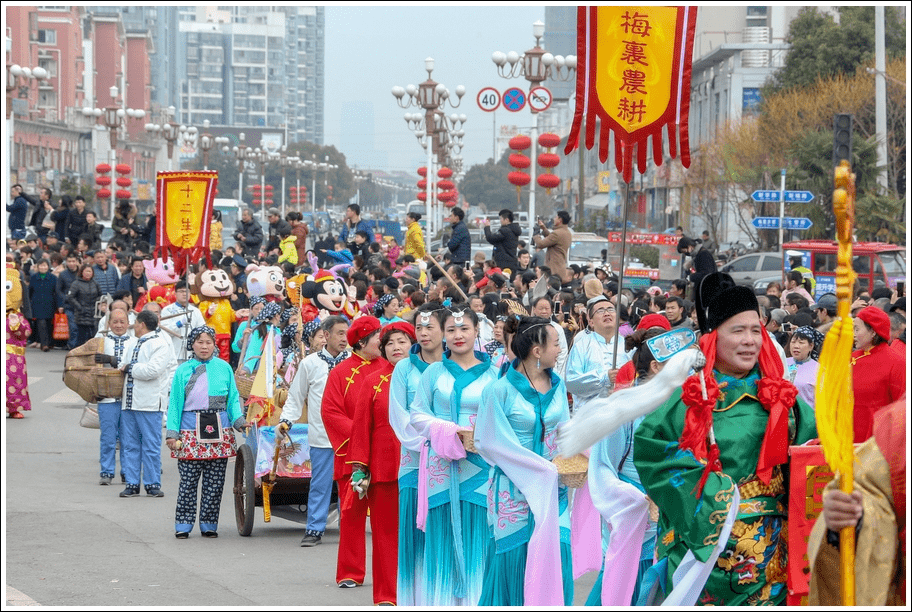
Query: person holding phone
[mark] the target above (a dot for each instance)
(460, 244)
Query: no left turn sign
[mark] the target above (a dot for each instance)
(488, 99)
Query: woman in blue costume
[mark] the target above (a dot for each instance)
(617, 492)
(403, 387)
(528, 507)
(268, 318)
(256, 306)
(453, 483)
(204, 405)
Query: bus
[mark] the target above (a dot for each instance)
(877, 264)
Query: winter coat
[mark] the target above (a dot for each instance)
(43, 294)
(64, 280)
(76, 225)
(253, 237)
(60, 217)
(505, 241)
(276, 230)
(300, 232)
(94, 232)
(126, 284)
(107, 279)
(82, 297)
(18, 211)
(215, 236)
(289, 252)
(460, 244)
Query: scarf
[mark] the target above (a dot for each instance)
(333, 361)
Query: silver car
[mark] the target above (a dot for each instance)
(747, 269)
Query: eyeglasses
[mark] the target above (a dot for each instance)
(601, 311)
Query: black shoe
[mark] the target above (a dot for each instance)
(311, 539)
(130, 492)
(210, 534)
(348, 583)
(104, 480)
(154, 492)
(181, 535)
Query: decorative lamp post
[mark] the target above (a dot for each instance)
(114, 117)
(535, 65)
(240, 153)
(18, 78)
(205, 142)
(431, 130)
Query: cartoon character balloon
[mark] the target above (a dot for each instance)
(161, 280)
(267, 282)
(214, 289)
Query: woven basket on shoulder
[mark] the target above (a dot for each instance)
(572, 471)
(91, 381)
(244, 383)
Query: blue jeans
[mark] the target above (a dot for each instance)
(18, 234)
(74, 329)
(321, 482)
(109, 418)
(141, 439)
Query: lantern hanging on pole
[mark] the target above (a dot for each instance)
(445, 185)
(520, 143)
(519, 161)
(102, 168)
(445, 173)
(422, 184)
(422, 171)
(104, 181)
(123, 194)
(123, 169)
(549, 140)
(123, 181)
(548, 161)
(422, 196)
(103, 194)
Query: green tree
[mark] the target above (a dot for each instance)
(820, 47)
(487, 185)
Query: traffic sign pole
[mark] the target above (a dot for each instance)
(782, 223)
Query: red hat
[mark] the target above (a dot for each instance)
(399, 326)
(654, 320)
(877, 320)
(361, 328)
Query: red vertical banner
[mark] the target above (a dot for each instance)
(633, 74)
(183, 208)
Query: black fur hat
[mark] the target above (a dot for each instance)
(719, 298)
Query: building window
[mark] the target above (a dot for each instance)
(47, 37)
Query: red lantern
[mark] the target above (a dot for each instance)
(102, 168)
(450, 203)
(103, 193)
(123, 194)
(422, 184)
(123, 181)
(519, 179)
(518, 160)
(269, 202)
(445, 185)
(256, 187)
(257, 201)
(422, 196)
(445, 173)
(268, 187)
(520, 143)
(548, 181)
(104, 181)
(422, 171)
(549, 140)
(292, 189)
(548, 160)
(446, 196)
(123, 169)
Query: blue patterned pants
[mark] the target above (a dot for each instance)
(213, 474)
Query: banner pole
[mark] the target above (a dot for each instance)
(617, 327)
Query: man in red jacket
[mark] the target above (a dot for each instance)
(338, 410)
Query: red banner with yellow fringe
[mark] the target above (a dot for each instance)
(633, 74)
(183, 208)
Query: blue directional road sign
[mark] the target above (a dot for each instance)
(514, 99)
(793, 197)
(789, 223)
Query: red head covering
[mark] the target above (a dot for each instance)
(399, 326)
(361, 328)
(877, 320)
(654, 320)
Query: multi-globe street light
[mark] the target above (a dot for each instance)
(535, 65)
(168, 130)
(18, 78)
(433, 131)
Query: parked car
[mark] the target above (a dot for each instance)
(747, 269)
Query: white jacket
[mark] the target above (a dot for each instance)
(148, 384)
(308, 386)
(181, 327)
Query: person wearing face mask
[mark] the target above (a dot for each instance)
(203, 408)
(452, 498)
(429, 320)
(344, 382)
(591, 364)
(374, 457)
(713, 458)
(515, 432)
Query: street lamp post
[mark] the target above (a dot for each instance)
(240, 153)
(114, 118)
(206, 141)
(535, 65)
(168, 130)
(431, 96)
(284, 162)
(17, 78)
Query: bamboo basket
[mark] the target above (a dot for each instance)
(91, 381)
(572, 471)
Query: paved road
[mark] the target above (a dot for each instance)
(71, 542)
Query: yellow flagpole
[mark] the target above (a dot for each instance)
(835, 400)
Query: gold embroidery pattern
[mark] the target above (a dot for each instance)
(717, 518)
(725, 495)
(384, 378)
(755, 488)
(668, 538)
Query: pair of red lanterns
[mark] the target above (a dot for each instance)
(446, 189)
(262, 195)
(547, 160)
(122, 181)
(298, 197)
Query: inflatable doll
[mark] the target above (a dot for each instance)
(162, 278)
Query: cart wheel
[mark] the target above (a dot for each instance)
(244, 490)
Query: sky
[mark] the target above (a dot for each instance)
(371, 49)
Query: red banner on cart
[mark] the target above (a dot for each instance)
(183, 208)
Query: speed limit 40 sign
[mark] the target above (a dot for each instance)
(488, 99)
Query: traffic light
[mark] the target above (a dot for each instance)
(842, 138)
